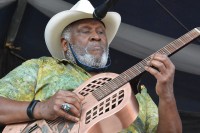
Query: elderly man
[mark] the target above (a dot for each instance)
(40, 89)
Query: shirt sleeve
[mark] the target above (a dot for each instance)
(19, 84)
(150, 112)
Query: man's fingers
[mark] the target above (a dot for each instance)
(81, 97)
(153, 71)
(73, 101)
(68, 116)
(162, 58)
(69, 94)
(159, 66)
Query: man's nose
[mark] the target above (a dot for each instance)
(95, 37)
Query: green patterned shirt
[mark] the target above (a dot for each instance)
(41, 78)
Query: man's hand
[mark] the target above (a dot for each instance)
(51, 108)
(163, 70)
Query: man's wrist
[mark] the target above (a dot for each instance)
(30, 109)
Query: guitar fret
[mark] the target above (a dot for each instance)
(170, 48)
(178, 43)
(182, 40)
(188, 36)
(132, 73)
(136, 68)
(162, 51)
(168, 52)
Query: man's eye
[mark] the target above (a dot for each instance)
(85, 31)
(101, 32)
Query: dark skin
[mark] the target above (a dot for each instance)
(14, 111)
(83, 33)
(169, 119)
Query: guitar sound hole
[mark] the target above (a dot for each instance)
(105, 106)
(88, 113)
(87, 89)
(87, 121)
(85, 94)
(93, 86)
(114, 100)
(88, 117)
(94, 81)
(95, 108)
(106, 79)
(108, 100)
(120, 101)
(100, 109)
(89, 85)
(114, 95)
(107, 110)
(121, 96)
(99, 82)
(95, 113)
(101, 104)
(113, 106)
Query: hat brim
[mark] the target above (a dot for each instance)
(58, 22)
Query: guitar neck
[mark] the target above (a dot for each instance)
(137, 69)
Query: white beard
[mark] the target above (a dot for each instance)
(91, 61)
(87, 59)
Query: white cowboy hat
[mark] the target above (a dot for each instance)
(81, 10)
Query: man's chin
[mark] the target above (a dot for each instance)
(96, 53)
(98, 60)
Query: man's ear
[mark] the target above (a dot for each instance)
(64, 44)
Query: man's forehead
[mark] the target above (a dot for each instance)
(87, 21)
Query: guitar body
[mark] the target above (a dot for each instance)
(109, 115)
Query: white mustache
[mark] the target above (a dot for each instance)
(94, 46)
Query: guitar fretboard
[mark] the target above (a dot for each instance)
(137, 69)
